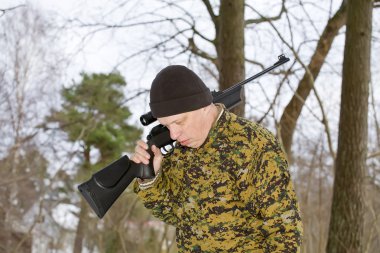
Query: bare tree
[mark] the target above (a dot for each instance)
(347, 215)
(26, 79)
(293, 110)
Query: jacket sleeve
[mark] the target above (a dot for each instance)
(159, 198)
(274, 202)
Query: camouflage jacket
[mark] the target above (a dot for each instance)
(232, 194)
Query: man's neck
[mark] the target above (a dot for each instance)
(211, 118)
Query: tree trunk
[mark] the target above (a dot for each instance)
(347, 218)
(83, 215)
(80, 235)
(293, 110)
(230, 46)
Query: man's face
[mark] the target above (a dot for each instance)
(189, 128)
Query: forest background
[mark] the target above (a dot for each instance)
(75, 78)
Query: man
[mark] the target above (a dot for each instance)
(226, 186)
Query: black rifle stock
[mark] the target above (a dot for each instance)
(106, 185)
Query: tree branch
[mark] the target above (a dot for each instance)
(373, 155)
(376, 3)
(192, 25)
(255, 63)
(214, 18)
(3, 11)
(265, 19)
(195, 50)
(325, 122)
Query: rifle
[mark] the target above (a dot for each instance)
(106, 185)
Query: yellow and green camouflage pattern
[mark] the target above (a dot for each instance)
(232, 194)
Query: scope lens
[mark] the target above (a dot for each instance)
(147, 118)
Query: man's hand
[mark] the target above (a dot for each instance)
(141, 155)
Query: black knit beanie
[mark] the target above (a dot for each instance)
(176, 89)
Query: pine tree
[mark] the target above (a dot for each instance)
(94, 115)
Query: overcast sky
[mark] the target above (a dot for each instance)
(104, 50)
